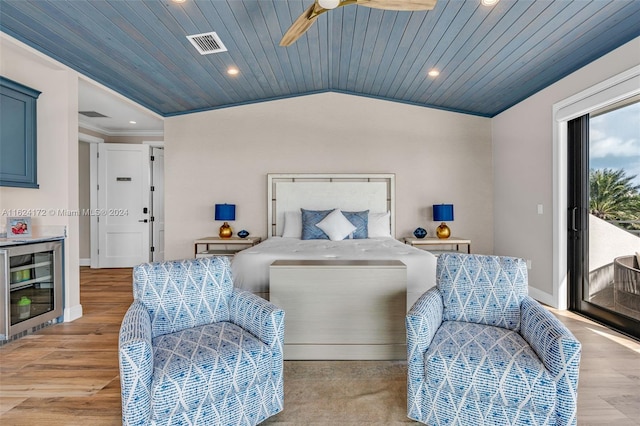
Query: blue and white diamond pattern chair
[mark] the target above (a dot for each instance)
(482, 352)
(194, 350)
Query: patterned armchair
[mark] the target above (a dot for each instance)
(482, 352)
(194, 350)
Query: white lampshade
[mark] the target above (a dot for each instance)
(329, 4)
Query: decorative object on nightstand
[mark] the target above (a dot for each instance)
(225, 212)
(443, 213)
(243, 234)
(420, 233)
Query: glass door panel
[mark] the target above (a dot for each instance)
(30, 285)
(604, 215)
(614, 208)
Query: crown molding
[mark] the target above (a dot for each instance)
(107, 132)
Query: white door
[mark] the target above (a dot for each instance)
(157, 203)
(123, 205)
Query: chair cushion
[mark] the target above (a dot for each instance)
(490, 364)
(184, 294)
(482, 289)
(198, 366)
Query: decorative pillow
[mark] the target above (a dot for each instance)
(336, 226)
(309, 220)
(292, 225)
(361, 221)
(379, 225)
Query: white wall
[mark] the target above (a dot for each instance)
(57, 152)
(84, 202)
(607, 241)
(523, 160)
(224, 156)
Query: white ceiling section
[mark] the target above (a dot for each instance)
(119, 113)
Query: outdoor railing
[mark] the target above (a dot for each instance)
(626, 281)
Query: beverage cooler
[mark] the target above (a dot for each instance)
(30, 286)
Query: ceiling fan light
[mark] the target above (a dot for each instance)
(489, 2)
(329, 4)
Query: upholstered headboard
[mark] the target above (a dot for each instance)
(351, 192)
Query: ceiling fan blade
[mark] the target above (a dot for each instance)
(302, 24)
(398, 4)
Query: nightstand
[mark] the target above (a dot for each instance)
(216, 246)
(438, 243)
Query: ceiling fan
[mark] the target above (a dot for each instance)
(309, 16)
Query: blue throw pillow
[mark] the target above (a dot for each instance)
(309, 220)
(361, 221)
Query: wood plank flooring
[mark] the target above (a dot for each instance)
(67, 374)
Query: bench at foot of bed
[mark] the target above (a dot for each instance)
(341, 310)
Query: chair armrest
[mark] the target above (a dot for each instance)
(135, 355)
(423, 320)
(559, 351)
(258, 316)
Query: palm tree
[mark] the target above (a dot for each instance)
(614, 197)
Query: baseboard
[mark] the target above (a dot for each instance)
(85, 262)
(72, 313)
(542, 297)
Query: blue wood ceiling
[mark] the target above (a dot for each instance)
(490, 58)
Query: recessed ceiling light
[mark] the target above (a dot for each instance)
(489, 2)
(233, 71)
(434, 73)
(132, 122)
(178, 1)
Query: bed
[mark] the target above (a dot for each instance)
(367, 200)
(251, 267)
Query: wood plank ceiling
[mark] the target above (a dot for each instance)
(489, 58)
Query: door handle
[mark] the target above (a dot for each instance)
(573, 219)
(144, 220)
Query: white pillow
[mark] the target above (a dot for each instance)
(379, 225)
(292, 225)
(336, 226)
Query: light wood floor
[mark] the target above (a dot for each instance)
(67, 374)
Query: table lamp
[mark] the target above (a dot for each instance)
(443, 213)
(225, 212)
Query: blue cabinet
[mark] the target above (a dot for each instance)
(18, 143)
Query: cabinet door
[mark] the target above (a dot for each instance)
(18, 149)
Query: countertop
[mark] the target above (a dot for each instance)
(39, 234)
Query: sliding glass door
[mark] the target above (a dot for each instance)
(604, 215)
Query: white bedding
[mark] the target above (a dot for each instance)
(251, 266)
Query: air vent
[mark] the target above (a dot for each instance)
(92, 114)
(207, 43)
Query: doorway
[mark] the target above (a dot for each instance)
(604, 215)
(124, 231)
